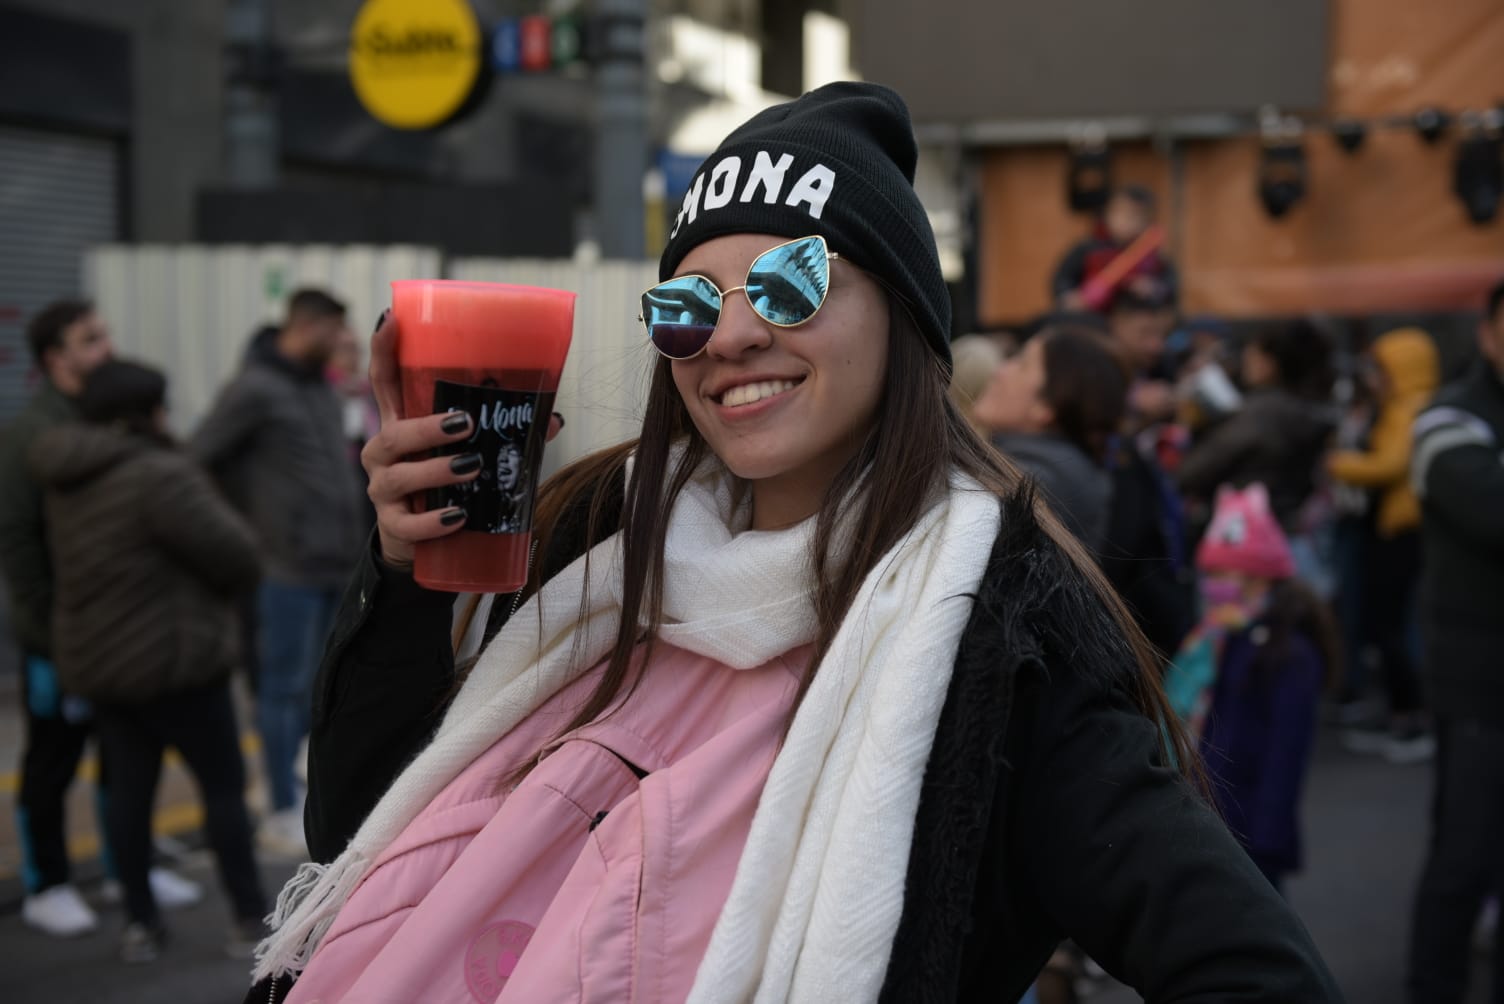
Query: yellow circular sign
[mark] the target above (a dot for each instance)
(414, 62)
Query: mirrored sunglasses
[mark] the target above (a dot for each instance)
(786, 286)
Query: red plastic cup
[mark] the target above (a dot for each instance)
(496, 352)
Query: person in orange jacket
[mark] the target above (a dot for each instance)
(1407, 374)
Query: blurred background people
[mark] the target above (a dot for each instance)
(1272, 646)
(1280, 433)
(976, 359)
(1146, 272)
(277, 433)
(68, 341)
(1405, 374)
(346, 373)
(1458, 472)
(1053, 409)
(148, 559)
(1145, 554)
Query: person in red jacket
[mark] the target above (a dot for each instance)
(1147, 274)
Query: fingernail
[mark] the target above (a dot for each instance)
(382, 319)
(456, 423)
(560, 418)
(453, 516)
(465, 463)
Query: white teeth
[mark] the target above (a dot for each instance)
(751, 393)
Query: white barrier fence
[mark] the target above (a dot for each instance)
(192, 309)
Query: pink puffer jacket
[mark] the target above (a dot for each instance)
(599, 878)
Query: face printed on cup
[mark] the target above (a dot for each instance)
(508, 468)
(793, 402)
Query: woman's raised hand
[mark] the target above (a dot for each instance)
(389, 459)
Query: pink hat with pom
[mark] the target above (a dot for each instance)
(1245, 537)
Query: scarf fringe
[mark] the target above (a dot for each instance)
(306, 909)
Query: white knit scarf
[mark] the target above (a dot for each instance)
(819, 889)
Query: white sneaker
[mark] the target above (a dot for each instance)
(1410, 748)
(173, 891)
(59, 911)
(281, 834)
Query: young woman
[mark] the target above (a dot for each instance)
(1053, 408)
(149, 560)
(805, 700)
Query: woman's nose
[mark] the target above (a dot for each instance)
(740, 330)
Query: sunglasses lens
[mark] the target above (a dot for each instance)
(788, 284)
(681, 315)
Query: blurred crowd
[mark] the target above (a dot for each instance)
(143, 572)
(1301, 527)
(1304, 528)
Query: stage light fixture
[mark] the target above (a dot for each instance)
(1282, 164)
(1089, 179)
(1478, 173)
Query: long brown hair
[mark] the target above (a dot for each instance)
(918, 439)
(1086, 386)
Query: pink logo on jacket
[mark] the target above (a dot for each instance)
(492, 957)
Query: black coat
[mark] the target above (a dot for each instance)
(1458, 470)
(1046, 810)
(1277, 439)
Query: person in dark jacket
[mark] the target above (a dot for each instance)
(1053, 409)
(1043, 803)
(1279, 435)
(1457, 470)
(1405, 379)
(275, 438)
(67, 339)
(148, 559)
(1145, 555)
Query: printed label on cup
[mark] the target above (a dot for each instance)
(509, 430)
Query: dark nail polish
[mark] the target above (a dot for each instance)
(560, 418)
(382, 319)
(466, 463)
(456, 423)
(453, 516)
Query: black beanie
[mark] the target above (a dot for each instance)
(838, 162)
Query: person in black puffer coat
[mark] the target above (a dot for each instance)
(148, 559)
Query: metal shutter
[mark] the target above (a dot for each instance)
(57, 197)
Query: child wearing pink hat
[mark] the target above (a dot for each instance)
(1250, 677)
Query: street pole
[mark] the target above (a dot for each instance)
(252, 142)
(621, 127)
